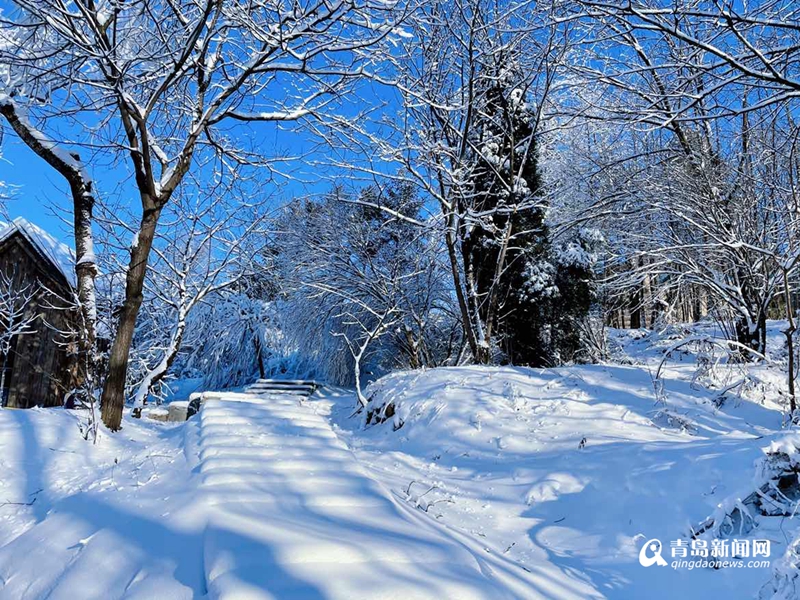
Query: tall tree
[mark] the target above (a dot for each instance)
(360, 290)
(529, 296)
(444, 73)
(162, 84)
(69, 165)
(499, 252)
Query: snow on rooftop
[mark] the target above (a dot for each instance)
(57, 252)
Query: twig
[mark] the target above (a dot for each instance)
(34, 494)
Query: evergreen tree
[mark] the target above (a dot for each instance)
(531, 293)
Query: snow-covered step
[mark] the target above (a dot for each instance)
(288, 382)
(281, 391)
(267, 391)
(294, 515)
(290, 386)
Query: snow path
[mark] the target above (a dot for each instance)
(292, 514)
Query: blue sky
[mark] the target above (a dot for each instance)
(42, 196)
(39, 189)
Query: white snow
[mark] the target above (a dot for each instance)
(295, 516)
(108, 521)
(58, 253)
(488, 482)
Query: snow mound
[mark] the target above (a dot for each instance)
(572, 468)
(522, 409)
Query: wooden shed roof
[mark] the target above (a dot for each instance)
(58, 254)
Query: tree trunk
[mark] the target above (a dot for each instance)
(703, 302)
(635, 308)
(649, 310)
(262, 372)
(494, 290)
(789, 333)
(113, 398)
(357, 372)
(412, 348)
(474, 304)
(82, 190)
(455, 270)
(482, 355)
(3, 398)
(86, 270)
(753, 338)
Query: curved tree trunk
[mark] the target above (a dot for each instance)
(70, 167)
(455, 271)
(158, 372)
(113, 397)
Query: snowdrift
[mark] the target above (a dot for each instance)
(576, 467)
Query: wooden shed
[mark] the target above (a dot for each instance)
(40, 367)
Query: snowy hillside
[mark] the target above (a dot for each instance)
(576, 467)
(485, 482)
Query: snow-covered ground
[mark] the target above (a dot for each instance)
(114, 520)
(485, 482)
(567, 468)
(292, 514)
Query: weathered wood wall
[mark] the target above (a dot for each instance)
(44, 362)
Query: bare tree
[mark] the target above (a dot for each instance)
(167, 81)
(235, 337)
(733, 47)
(17, 315)
(206, 246)
(68, 165)
(446, 73)
(704, 169)
(350, 279)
